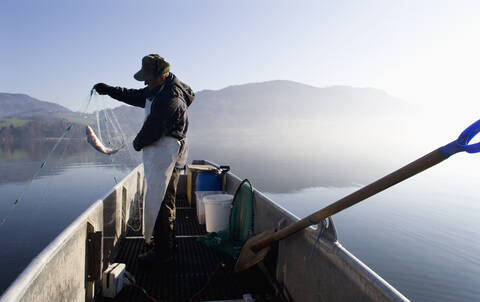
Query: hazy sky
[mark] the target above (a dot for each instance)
(425, 52)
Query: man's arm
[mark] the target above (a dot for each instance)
(134, 97)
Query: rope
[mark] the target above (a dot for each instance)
(57, 143)
(98, 126)
(117, 128)
(146, 294)
(43, 165)
(219, 265)
(320, 233)
(39, 203)
(130, 281)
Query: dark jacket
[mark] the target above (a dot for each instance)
(168, 114)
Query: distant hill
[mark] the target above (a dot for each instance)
(258, 103)
(22, 117)
(40, 129)
(268, 108)
(17, 105)
(288, 97)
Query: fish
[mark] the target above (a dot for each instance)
(98, 145)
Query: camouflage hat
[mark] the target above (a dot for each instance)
(152, 65)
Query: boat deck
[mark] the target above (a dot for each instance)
(199, 273)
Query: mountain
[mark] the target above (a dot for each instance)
(22, 117)
(260, 103)
(15, 105)
(40, 129)
(266, 109)
(254, 102)
(287, 98)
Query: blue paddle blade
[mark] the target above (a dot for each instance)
(461, 143)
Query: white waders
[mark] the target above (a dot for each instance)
(159, 160)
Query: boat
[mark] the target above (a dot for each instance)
(75, 265)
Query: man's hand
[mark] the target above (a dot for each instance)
(102, 88)
(136, 145)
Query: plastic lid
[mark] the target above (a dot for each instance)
(203, 168)
(218, 198)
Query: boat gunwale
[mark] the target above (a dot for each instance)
(36, 265)
(331, 248)
(338, 248)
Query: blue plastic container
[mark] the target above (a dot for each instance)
(208, 181)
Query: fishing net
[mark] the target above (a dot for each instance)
(110, 134)
(43, 164)
(241, 217)
(241, 223)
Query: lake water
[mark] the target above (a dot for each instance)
(422, 236)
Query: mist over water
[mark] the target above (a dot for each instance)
(338, 151)
(421, 235)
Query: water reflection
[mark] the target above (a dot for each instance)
(20, 160)
(276, 166)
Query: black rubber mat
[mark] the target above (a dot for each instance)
(192, 269)
(181, 202)
(187, 223)
(198, 272)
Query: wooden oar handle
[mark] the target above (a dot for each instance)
(383, 183)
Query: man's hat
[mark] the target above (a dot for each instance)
(152, 65)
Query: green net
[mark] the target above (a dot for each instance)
(241, 217)
(241, 223)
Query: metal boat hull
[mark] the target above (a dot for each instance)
(66, 269)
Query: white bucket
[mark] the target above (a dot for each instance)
(199, 195)
(217, 211)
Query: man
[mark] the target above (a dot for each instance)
(162, 139)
